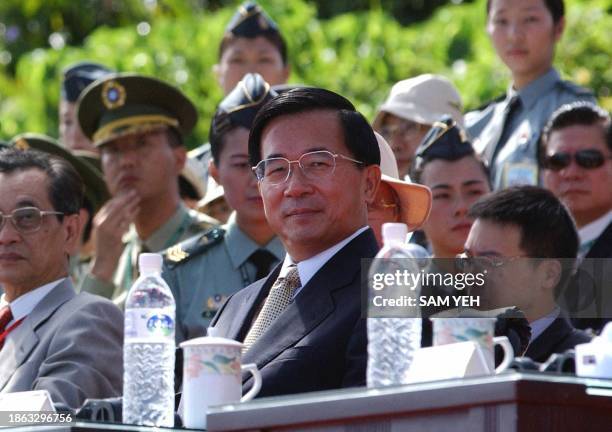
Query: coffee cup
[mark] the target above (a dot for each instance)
(479, 330)
(212, 375)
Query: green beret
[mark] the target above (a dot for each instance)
(250, 21)
(95, 188)
(126, 104)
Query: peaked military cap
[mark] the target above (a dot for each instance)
(250, 21)
(95, 188)
(78, 76)
(445, 140)
(126, 104)
(242, 104)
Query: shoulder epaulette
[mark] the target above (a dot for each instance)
(185, 250)
(576, 89)
(203, 220)
(492, 101)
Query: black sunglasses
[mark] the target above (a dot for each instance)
(588, 159)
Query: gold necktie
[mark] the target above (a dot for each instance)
(277, 301)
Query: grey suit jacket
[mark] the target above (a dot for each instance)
(70, 345)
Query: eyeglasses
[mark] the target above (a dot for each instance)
(465, 262)
(26, 220)
(313, 165)
(406, 130)
(587, 159)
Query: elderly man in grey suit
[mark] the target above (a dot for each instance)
(50, 338)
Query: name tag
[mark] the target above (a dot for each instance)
(523, 173)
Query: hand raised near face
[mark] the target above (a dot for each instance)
(110, 224)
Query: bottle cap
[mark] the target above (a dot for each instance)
(149, 262)
(394, 232)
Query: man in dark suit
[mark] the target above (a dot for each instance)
(50, 337)
(526, 242)
(317, 163)
(576, 158)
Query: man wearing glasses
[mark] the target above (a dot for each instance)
(576, 158)
(524, 240)
(317, 163)
(50, 338)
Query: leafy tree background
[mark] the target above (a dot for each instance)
(358, 48)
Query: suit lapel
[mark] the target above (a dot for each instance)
(24, 338)
(548, 339)
(243, 317)
(313, 303)
(602, 248)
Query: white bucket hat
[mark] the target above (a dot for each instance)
(422, 99)
(415, 199)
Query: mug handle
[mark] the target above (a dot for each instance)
(252, 367)
(508, 353)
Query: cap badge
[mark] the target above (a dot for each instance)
(21, 144)
(113, 94)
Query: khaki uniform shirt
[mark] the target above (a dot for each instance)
(183, 224)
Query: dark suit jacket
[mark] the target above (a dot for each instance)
(594, 287)
(556, 338)
(319, 342)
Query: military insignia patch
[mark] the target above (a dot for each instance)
(176, 253)
(113, 94)
(21, 144)
(212, 305)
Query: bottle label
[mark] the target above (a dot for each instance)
(150, 325)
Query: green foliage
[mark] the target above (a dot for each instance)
(359, 55)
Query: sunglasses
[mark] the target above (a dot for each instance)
(587, 159)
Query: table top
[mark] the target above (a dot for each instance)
(510, 386)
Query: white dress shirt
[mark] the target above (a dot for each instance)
(24, 304)
(589, 233)
(309, 267)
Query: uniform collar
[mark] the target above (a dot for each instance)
(159, 239)
(532, 92)
(240, 246)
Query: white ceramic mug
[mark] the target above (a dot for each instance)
(212, 375)
(479, 330)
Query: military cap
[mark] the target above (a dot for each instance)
(90, 157)
(95, 188)
(445, 140)
(125, 104)
(250, 21)
(242, 104)
(78, 76)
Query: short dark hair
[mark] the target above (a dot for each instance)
(274, 38)
(576, 113)
(65, 185)
(416, 173)
(547, 229)
(359, 136)
(555, 7)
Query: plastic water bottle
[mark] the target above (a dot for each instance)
(148, 350)
(392, 342)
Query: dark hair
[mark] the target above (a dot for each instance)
(576, 113)
(359, 137)
(175, 139)
(219, 127)
(65, 185)
(274, 38)
(416, 175)
(547, 229)
(555, 7)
